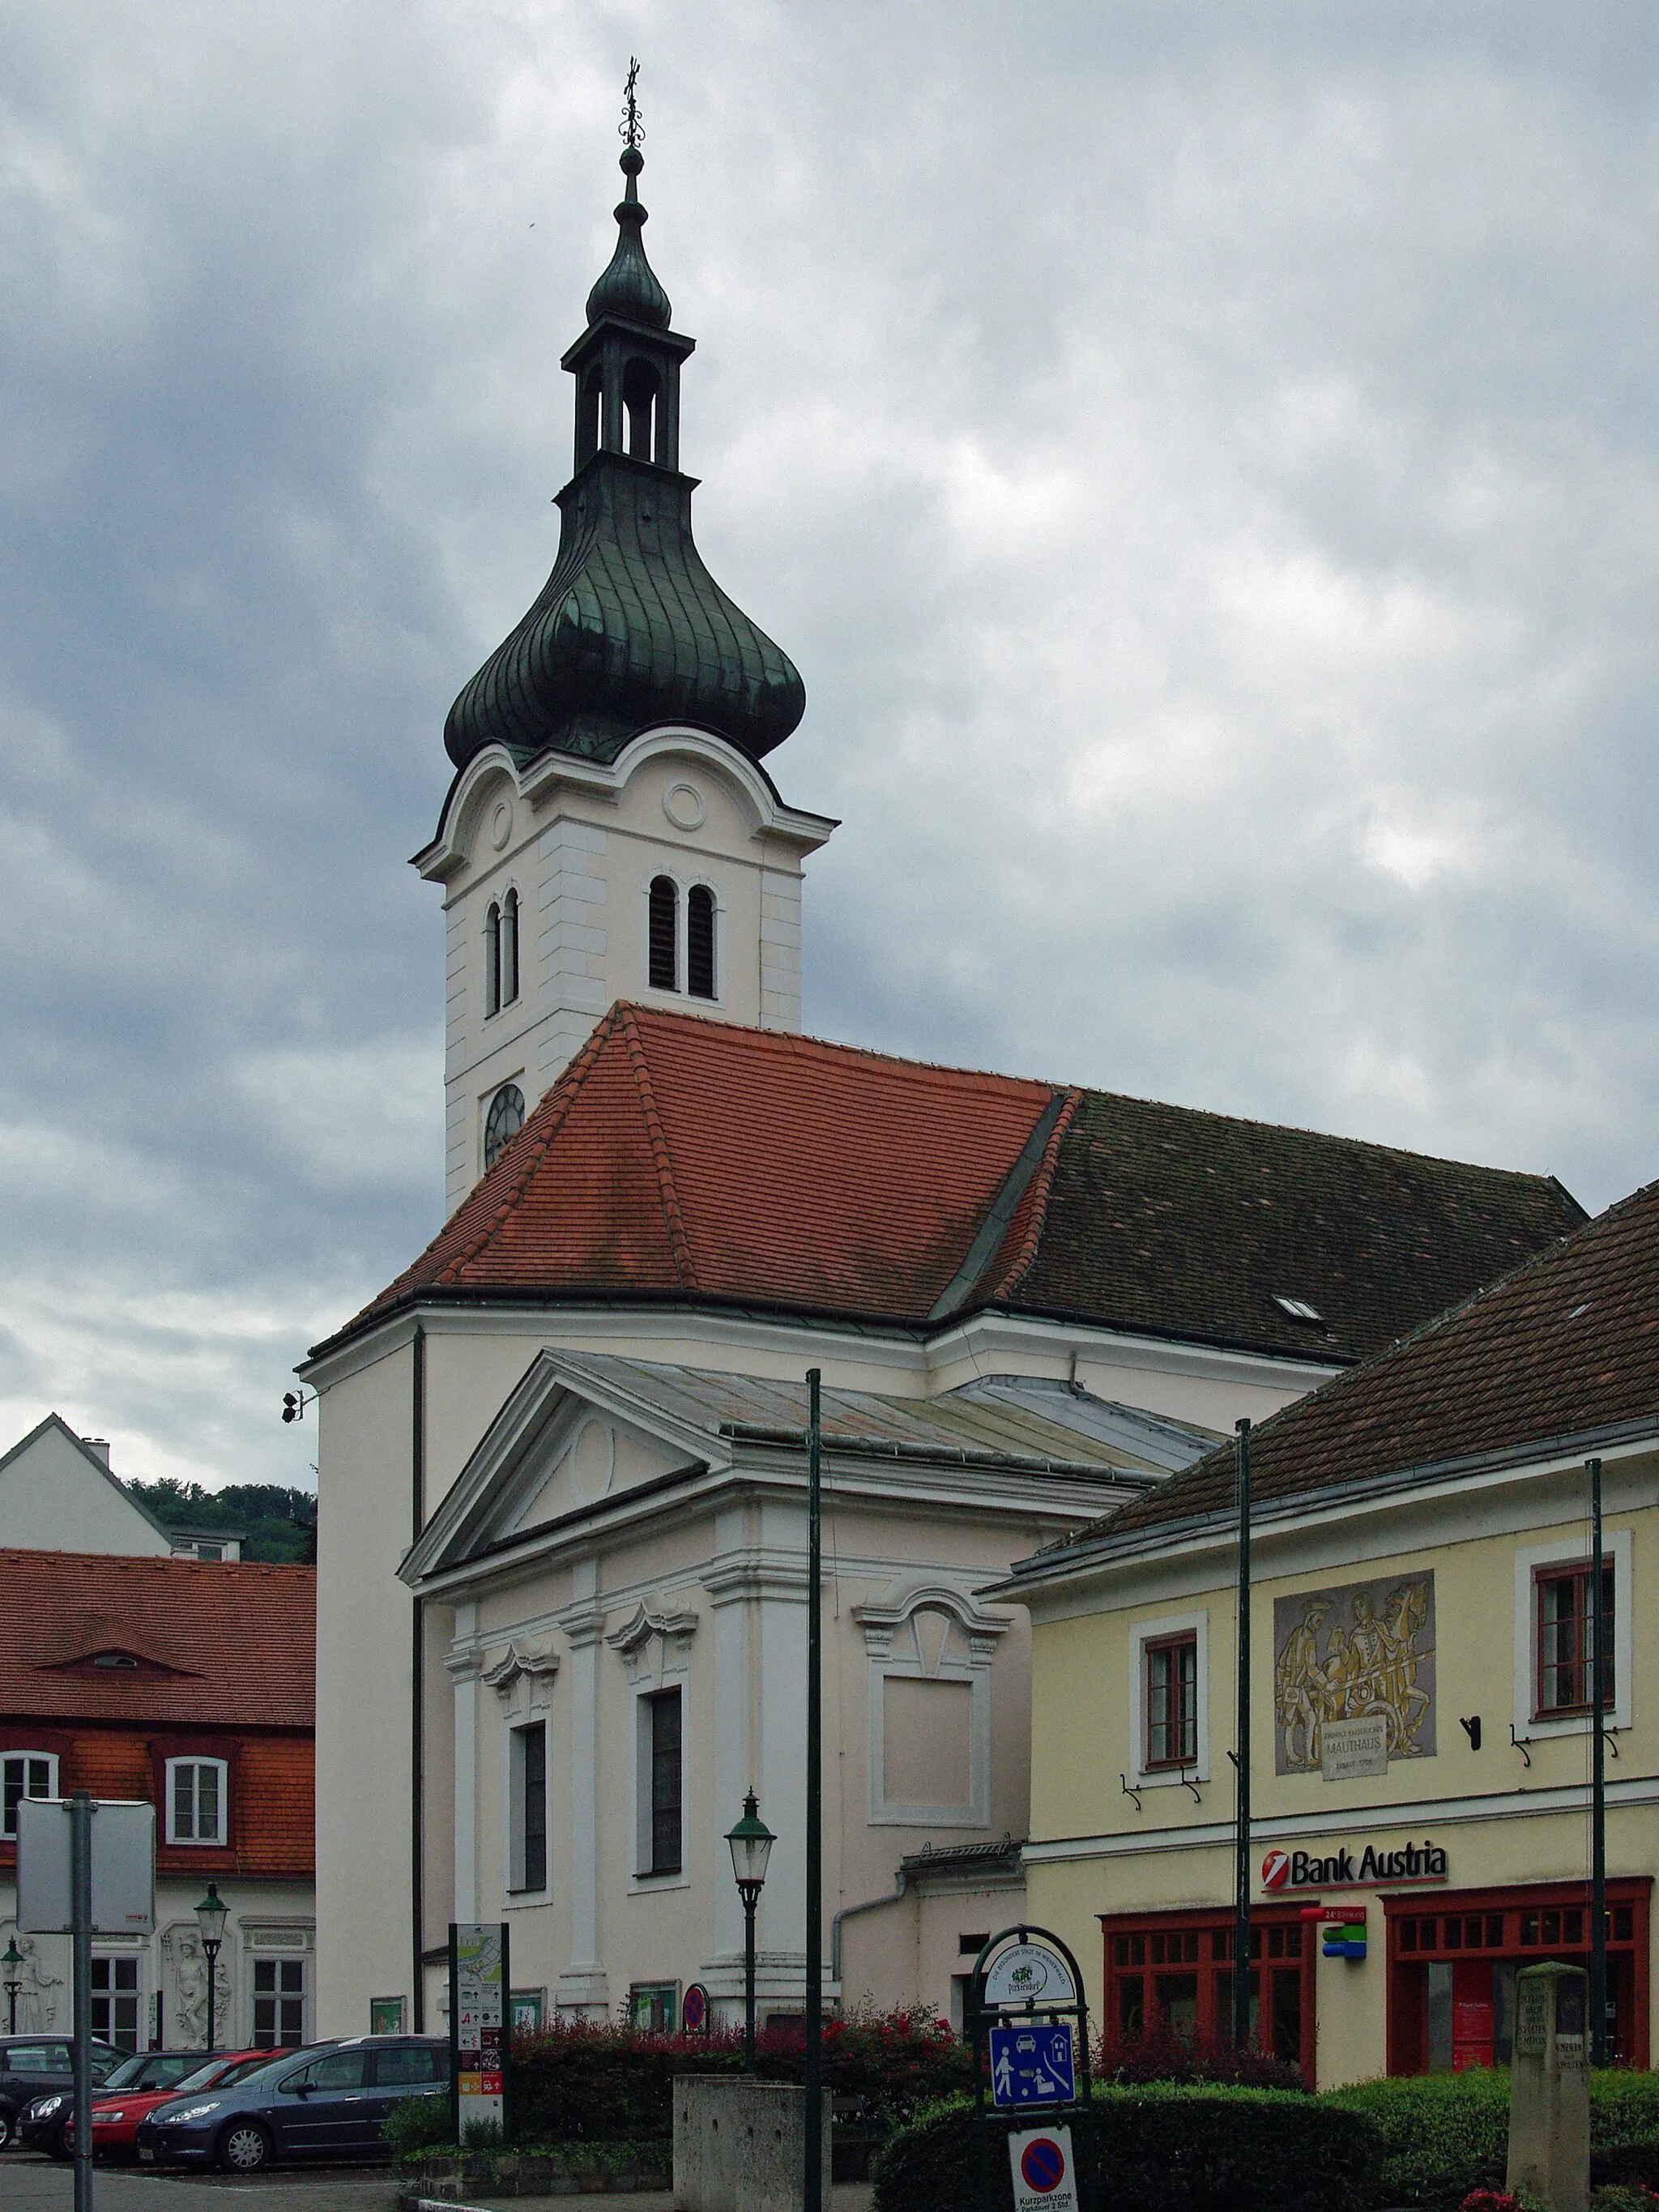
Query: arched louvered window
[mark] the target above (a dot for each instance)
(492, 960)
(503, 1122)
(509, 948)
(700, 942)
(640, 390)
(663, 930)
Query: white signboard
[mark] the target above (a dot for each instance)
(479, 2026)
(1044, 2177)
(1028, 1973)
(1349, 1750)
(122, 1868)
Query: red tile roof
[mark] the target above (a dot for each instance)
(1565, 1350)
(683, 1159)
(219, 1645)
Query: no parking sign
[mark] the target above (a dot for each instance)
(1045, 2180)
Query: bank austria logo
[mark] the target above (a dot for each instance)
(1424, 1862)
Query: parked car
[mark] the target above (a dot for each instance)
(327, 2101)
(48, 2123)
(33, 2066)
(116, 2115)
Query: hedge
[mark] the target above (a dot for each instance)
(1163, 2147)
(578, 2082)
(1445, 2135)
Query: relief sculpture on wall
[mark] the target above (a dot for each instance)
(1353, 1677)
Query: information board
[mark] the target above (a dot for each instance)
(123, 1867)
(478, 2015)
(1027, 1974)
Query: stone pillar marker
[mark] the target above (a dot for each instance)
(1549, 2088)
(740, 2145)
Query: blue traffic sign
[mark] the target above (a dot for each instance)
(1034, 2064)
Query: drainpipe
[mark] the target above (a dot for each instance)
(847, 1911)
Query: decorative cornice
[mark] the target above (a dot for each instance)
(646, 1621)
(505, 1675)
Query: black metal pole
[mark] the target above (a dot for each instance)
(80, 1937)
(212, 1950)
(1598, 1988)
(1242, 1845)
(813, 2198)
(751, 1899)
(12, 1989)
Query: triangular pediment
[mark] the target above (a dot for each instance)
(571, 1443)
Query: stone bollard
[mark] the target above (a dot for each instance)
(740, 2145)
(1549, 2088)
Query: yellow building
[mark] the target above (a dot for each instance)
(1420, 1690)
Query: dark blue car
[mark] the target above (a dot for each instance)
(327, 2101)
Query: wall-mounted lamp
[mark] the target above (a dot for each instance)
(1471, 1728)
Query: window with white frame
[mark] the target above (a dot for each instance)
(279, 2003)
(527, 1808)
(117, 1999)
(26, 1774)
(198, 1801)
(1553, 1650)
(1169, 1693)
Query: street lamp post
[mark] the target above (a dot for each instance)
(751, 1842)
(11, 1959)
(210, 1915)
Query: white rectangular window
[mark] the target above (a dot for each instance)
(279, 2003)
(116, 2000)
(1167, 1701)
(27, 1774)
(198, 1811)
(659, 1782)
(1551, 1635)
(527, 1811)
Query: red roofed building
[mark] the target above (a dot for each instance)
(191, 1684)
(561, 1472)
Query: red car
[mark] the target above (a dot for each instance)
(116, 2115)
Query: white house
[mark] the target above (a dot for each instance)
(58, 1494)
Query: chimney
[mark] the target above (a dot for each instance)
(99, 1447)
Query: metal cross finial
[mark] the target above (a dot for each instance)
(631, 129)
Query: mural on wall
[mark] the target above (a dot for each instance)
(1353, 1664)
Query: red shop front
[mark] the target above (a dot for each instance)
(1174, 1970)
(1452, 1960)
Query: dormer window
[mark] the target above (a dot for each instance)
(198, 1801)
(1299, 1309)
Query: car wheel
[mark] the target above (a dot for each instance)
(244, 2147)
(61, 2148)
(8, 2128)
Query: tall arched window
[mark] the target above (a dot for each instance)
(492, 960)
(509, 948)
(664, 968)
(639, 402)
(700, 942)
(503, 1122)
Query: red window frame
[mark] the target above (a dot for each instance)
(1543, 1920)
(1184, 1718)
(1281, 1943)
(1576, 1576)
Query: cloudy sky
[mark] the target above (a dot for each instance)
(1202, 459)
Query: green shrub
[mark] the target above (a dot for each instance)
(418, 2123)
(1446, 2134)
(1163, 2147)
(576, 2081)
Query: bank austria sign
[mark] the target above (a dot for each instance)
(1340, 1869)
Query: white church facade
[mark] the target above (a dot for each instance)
(563, 1542)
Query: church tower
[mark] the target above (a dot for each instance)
(611, 832)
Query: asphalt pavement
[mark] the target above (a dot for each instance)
(30, 2182)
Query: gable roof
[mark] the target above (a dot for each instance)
(225, 1646)
(1561, 1355)
(685, 1159)
(55, 1423)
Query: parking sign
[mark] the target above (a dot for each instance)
(1043, 2176)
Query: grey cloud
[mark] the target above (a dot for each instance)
(1202, 459)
